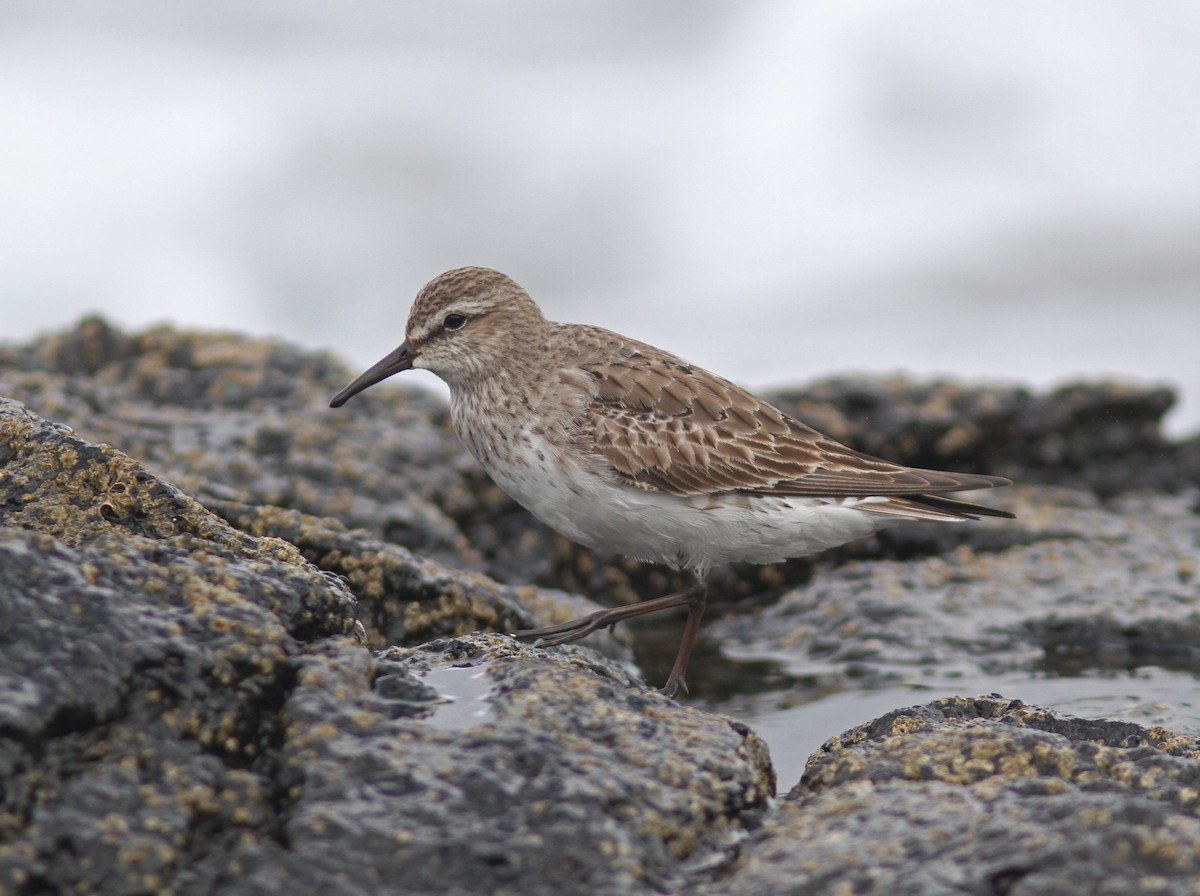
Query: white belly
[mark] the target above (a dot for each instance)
(696, 533)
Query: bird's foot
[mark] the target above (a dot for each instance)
(673, 687)
(572, 630)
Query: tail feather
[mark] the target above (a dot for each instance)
(932, 507)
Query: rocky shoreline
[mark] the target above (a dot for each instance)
(230, 620)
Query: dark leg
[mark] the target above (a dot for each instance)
(692, 597)
(697, 596)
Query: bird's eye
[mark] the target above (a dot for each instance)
(454, 321)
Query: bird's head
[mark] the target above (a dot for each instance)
(464, 326)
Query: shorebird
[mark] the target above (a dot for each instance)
(627, 448)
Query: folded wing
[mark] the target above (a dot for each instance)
(666, 425)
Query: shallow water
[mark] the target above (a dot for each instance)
(464, 692)
(796, 703)
(1146, 696)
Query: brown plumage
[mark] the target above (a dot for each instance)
(665, 424)
(625, 447)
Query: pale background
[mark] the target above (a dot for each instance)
(999, 190)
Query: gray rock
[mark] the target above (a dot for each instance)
(184, 710)
(1044, 601)
(572, 780)
(248, 421)
(983, 796)
(1105, 437)
(246, 662)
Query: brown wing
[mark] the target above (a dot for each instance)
(665, 425)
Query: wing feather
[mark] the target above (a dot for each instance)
(663, 424)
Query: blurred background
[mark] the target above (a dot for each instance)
(1006, 191)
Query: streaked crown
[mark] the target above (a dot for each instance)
(468, 322)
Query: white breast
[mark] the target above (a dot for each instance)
(573, 496)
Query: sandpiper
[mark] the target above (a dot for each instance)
(627, 448)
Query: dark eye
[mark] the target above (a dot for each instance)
(454, 321)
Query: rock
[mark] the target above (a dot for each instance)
(1103, 437)
(571, 781)
(983, 796)
(1038, 599)
(185, 709)
(248, 421)
(268, 653)
(94, 497)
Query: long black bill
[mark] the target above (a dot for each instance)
(400, 359)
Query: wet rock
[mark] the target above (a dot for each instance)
(1084, 586)
(573, 779)
(245, 661)
(186, 708)
(146, 648)
(408, 600)
(985, 796)
(248, 420)
(93, 496)
(405, 599)
(1104, 437)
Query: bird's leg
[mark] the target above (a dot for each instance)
(693, 597)
(697, 596)
(574, 629)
